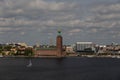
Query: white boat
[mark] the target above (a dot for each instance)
(30, 64)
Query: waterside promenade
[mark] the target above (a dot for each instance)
(70, 55)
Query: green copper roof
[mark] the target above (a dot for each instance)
(59, 32)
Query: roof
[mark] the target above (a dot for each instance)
(84, 42)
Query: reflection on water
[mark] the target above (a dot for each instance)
(60, 61)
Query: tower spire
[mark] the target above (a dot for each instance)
(59, 32)
(59, 44)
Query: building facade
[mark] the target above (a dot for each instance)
(57, 51)
(84, 47)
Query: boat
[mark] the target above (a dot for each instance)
(30, 64)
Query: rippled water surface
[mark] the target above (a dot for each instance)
(71, 68)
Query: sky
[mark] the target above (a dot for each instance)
(37, 21)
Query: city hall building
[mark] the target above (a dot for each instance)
(57, 51)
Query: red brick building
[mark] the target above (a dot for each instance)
(58, 51)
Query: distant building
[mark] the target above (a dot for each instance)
(109, 49)
(23, 44)
(69, 49)
(87, 47)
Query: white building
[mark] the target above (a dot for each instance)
(69, 49)
(84, 46)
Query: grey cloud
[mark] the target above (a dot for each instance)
(44, 17)
(108, 11)
(54, 6)
(34, 6)
(28, 9)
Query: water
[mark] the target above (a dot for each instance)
(72, 68)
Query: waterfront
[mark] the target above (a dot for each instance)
(69, 68)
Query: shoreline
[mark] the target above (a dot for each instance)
(87, 56)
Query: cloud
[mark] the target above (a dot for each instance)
(34, 12)
(15, 22)
(108, 12)
(94, 30)
(22, 33)
(41, 4)
(5, 29)
(28, 13)
(108, 8)
(76, 17)
(106, 16)
(34, 7)
(74, 30)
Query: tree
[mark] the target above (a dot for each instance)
(29, 52)
(7, 48)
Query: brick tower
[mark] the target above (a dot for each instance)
(59, 44)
